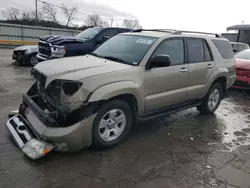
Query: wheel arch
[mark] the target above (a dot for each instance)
(223, 81)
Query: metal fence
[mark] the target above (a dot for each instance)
(30, 33)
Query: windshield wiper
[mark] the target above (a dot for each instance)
(116, 59)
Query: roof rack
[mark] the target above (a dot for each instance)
(160, 30)
(179, 32)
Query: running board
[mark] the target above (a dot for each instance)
(168, 110)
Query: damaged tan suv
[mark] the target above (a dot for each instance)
(95, 99)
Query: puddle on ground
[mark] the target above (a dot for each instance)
(236, 123)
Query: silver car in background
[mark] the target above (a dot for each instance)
(238, 47)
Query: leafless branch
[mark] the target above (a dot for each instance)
(69, 13)
(131, 24)
(50, 12)
(11, 13)
(96, 20)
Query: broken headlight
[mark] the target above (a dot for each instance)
(62, 93)
(70, 87)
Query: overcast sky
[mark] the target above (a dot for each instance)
(198, 15)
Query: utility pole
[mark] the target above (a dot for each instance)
(36, 14)
(111, 22)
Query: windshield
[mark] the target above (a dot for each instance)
(243, 55)
(128, 48)
(89, 33)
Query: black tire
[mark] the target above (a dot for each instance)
(97, 141)
(31, 60)
(204, 106)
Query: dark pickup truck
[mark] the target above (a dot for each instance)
(50, 47)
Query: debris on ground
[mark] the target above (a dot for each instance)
(209, 167)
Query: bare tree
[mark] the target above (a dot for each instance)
(26, 16)
(96, 20)
(105, 23)
(50, 12)
(39, 15)
(131, 24)
(11, 13)
(69, 13)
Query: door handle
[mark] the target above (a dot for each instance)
(209, 66)
(183, 69)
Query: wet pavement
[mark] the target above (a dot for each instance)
(184, 149)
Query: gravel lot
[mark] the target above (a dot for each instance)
(183, 150)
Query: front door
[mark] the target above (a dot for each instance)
(165, 86)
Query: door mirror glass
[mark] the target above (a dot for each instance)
(105, 37)
(160, 60)
(102, 39)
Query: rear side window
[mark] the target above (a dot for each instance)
(208, 56)
(243, 55)
(195, 50)
(224, 48)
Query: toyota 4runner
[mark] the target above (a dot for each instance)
(95, 99)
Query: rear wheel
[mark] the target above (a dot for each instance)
(112, 124)
(212, 100)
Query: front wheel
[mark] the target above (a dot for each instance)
(32, 60)
(212, 100)
(112, 124)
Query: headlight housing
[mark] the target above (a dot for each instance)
(36, 148)
(67, 86)
(62, 93)
(58, 51)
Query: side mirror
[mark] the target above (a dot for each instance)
(102, 39)
(161, 60)
(234, 50)
(105, 37)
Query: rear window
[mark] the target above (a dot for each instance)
(243, 55)
(224, 48)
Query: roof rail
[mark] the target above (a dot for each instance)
(179, 32)
(160, 30)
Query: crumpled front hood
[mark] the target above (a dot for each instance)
(242, 64)
(77, 68)
(26, 47)
(57, 40)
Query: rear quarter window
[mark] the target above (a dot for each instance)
(224, 48)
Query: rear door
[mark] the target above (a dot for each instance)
(200, 65)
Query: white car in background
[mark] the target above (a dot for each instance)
(238, 47)
(25, 55)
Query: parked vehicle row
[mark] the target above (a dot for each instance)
(51, 47)
(95, 99)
